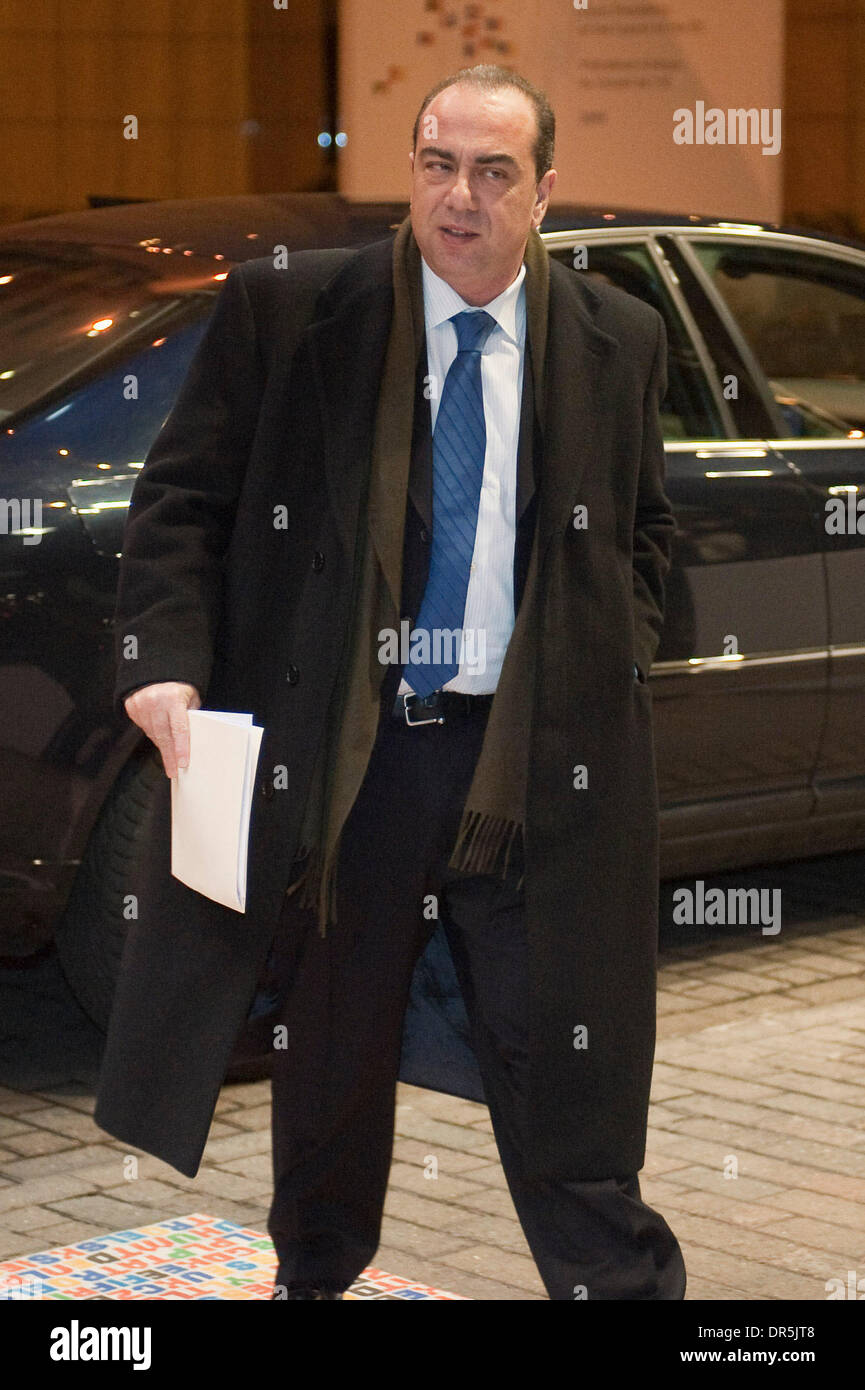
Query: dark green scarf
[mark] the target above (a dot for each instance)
(495, 806)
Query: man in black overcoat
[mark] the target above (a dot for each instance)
(443, 434)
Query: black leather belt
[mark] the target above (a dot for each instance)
(435, 708)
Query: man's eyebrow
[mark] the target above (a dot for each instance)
(437, 153)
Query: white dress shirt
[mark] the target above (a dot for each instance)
(489, 613)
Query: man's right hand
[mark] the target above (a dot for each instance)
(160, 710)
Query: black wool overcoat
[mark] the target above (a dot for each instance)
(277, 412)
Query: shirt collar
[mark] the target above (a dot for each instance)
(441, 302)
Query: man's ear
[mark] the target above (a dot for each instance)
(542, 197)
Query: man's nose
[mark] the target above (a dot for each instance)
(460, 192)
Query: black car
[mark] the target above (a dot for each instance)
(759, 680)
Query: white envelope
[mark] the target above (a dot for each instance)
(211, 802)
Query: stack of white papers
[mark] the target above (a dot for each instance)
(211, 801)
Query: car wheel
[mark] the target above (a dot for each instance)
(92, 931)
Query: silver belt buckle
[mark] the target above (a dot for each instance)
(436, 718)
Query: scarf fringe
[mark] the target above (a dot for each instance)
(308, 886)
(481, 840)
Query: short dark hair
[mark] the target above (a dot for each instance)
(491, 78)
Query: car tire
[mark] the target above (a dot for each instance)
(92, 932)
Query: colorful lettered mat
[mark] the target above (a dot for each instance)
(189, 1257)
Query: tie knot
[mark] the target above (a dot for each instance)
(473, 328)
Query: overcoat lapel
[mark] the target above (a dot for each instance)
(578, 368)
(346, 345)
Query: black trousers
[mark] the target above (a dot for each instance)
(343, 1005)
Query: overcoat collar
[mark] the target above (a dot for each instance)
(347, 340)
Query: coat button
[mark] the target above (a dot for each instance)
(292, 675)
(266, 788)
(318, 561)
(424, 534)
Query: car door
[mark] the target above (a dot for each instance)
(68, 467)
(737, 717)
(800, 306)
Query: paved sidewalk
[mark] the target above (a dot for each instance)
(756, 1151)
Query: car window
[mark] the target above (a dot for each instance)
(803, 316)
(63, 310)
(98, 427)
(689, 410)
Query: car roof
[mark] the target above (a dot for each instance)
(241, 227)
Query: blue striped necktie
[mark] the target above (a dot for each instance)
(459, 446)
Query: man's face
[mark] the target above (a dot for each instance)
(474, 196)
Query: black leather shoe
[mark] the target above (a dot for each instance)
(307, 1291)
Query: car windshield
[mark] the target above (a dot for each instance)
(62, 310)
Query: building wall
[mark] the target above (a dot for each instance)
(824, 161)
(231, 94)
(228, 95)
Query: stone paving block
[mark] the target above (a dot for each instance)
(764, 1245)
(482, 1228)
(13, 1124)
(490, 1174)
(676, 1003)
(711, 1179)
(237, 1146)
(59, 1234)
(107, 1212)
(224, 1129)
(701, 1290)
(227, 1102)
(405, 1235)
(452, 1280)
(657, 1164)
(503, 1265)
(797, 1149)
(16, 1102)
(825, 964)
(74, 1123)
(448, 1187)
(73, 1097)
(408, 1150)
(235, 1186)
(821, 1086)
(45, 1189)
(827, 991)
(25, 1219)
(10, 1245)
(749, 1276)
(101, 1175)
(662, 1091)
(145, 1192)
(494, 1200)
(248, 1093)
(250, 1214)
(36, 1142)
(412, 1124)
(246, 1118)
(697, 1202)
(257, 1166)
(407, 1206)
(25, 1169)
(453, 1109)
(166, 1208)
(835, 1240)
